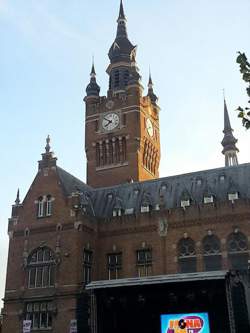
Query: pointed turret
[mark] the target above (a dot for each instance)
(92, 88)
(17, 201)
(121, 27)
(151, 93)
(120, 54)
(229, 141)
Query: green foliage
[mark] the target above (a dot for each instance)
(244, 113)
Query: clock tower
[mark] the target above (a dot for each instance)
(122, 140)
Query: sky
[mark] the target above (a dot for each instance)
(46, 49)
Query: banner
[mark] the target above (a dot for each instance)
(73, 326)
(185, 323)
(26, 326)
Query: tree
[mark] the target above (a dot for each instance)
(244, 113)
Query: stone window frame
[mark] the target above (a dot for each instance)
(87, 265)
(211, 250)
(114, 265)
(40, 313)
(186, 250)
(44, 206)
(144, 261)
(41, 268)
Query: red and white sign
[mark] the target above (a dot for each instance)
(26, 326)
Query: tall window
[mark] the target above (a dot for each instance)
(237, 247)
(186, 255)
(211, 253)
(40, 208)
(114, 265)
(41, 268)
(48, 205)
(144, 262)
(87, 265)
(116, 79)
(40, 314)
(44, 206)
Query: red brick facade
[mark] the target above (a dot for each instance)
(75, 217)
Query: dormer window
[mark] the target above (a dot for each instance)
(40, 210)
(233, 196)
(117, 212)
(208, 199)
(185, 203)
(129, 211)
(145, 209)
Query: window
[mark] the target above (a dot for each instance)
(44, 206)
(144, 262)
(208, 199)
(114, 265)
(48, 205)
(237, 247)
(126, 77)
(41, 268)
(40, 210)
(186, 255)
(116, 79)
(145, 209)
(87, 265)
(40, 314)
(185, 203)
(233, 196)
(211, 253)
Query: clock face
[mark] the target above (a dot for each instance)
(149, 127)
(110, 121)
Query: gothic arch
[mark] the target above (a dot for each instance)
(41, 268)
(211, 248)
(186, 255)
(237, 248)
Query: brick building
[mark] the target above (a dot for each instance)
(73, 245)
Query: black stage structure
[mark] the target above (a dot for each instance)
(135, 305)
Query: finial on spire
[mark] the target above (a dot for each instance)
(150, 82)
(151, 93)
(93, 73)
(47, 147)
(92, 88)
(229, 141)
(121, 12)
(17, 201)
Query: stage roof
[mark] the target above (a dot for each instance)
(159, 279)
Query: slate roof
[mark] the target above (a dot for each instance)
(169, 191)
(70, 183)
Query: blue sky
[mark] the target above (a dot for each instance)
(46, 49)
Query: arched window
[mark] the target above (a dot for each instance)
(237, 247)
(40, 207)
(211, 253)
(41, 268)
(186, 255)
(48, 205)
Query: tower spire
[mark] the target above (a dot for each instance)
(93, 88)
(121, 21)
(121, 12)
(17, 201)
(151, 93)
(229, 141)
